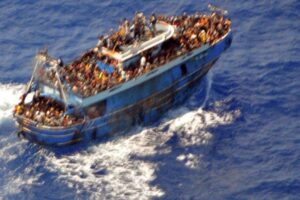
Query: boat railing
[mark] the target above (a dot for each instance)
(222, 38)
(25, 122)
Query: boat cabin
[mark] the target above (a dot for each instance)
(131, 52)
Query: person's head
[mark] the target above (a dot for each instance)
(140, 14)
(37, 93)
(75, 89)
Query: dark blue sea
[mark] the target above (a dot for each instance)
(237, 137)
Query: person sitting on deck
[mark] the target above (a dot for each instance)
(203, 36)
(19, 108)
(123, 76)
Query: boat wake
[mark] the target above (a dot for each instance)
(118, 168)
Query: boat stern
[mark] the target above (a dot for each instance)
(53, 136)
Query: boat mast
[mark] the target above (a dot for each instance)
(39, 58)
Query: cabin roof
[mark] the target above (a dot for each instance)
(165, 31)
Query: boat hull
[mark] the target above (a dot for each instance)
(142, 103)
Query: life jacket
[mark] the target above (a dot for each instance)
(203, 37)
(100, 75)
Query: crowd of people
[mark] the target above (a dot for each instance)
(192, 31)
(195, 30)
(84, 77)
(129, 33)
(45, 111)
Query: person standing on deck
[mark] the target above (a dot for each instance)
(100, 43)
(153, 21)
(126, 30)
(139, 25)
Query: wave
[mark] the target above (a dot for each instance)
(10, 94)
(116, 169)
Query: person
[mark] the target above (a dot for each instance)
(100, 42)
(153, 21)
(22, 98)
(135, 27)
(143, 62)
(60, 62)
(120, 66)
(123, 76)
(203, 36)
(65, 120)
(139, 24)
(109, 43)
(75, 89)
(18, 109)
(148, 67)
(140, 71)
(126, 30)
(36, 96)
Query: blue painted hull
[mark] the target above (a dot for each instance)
(139, 101)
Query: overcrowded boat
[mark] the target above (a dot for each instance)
(131, 76)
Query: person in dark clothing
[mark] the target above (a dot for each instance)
(153, 21)
(60, 62)
(139, 25)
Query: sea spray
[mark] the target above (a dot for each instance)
(116, 169)
(9, 97)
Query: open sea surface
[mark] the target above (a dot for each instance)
(238, 137)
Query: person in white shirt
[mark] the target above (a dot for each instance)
(143, 62)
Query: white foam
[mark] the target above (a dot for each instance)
(10, 150)
(16, 184)
(121, 172)
(190, 160)
(115, 169)
(9, 97)
(109, 170)
(17, 178)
